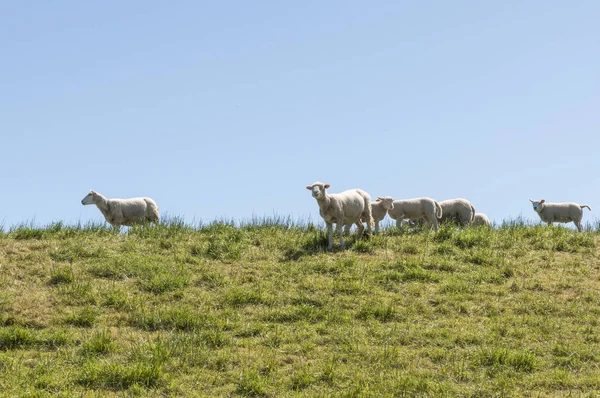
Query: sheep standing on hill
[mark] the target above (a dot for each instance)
(127, 212)
(459, 210)
(344, 209)
(481, 219)
(415, 209)
(380, 208)
(560, 212)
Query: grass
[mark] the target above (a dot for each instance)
(262, 309)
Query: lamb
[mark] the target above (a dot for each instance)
(560, 212)
(459, 210)
(481, 219)
(380, 208)
(126, 212)
(344, 209)
(414, 209)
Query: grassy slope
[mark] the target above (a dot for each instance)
(264, 311)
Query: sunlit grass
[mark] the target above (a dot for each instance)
(260, 307)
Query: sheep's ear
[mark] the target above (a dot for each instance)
(542, 201)
(379, 199)
(531, 200)
(327, 186)
(308, 187)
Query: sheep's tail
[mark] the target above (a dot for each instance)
(582, 206)
(438, 210)
(473, 212)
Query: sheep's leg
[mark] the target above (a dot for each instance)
(114, 223)
(399, 223)
(432, 222)
(329, 235)
(151, 215)
(347, 229)
(376, 227)
(435, 224)
(117, 218)
(338, 230)
(578, 225)
(361, 228)
(368, 217)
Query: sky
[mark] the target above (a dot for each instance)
(229, 109)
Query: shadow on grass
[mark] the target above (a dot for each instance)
(317, 243)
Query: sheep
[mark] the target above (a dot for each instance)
(414, 209)
(344, 209)
(559, 212)
(126, 212)
(481, 219)
(458, 210)
(379, 209)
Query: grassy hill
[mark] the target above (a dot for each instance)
(264, 310)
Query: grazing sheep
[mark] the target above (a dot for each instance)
(127, 212)
(344, 209)
(414, 209)
(481, 219)
(559, 212)
(459, 210)
(380, 208)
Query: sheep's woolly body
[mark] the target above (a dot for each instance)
(344, 209)
(560, 212)
(481, 219)
(415, 209)
(127, 212)
(458, 210)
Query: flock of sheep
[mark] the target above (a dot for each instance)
(353, 206)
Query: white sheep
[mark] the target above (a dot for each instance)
(127, 212)
(459, 210)
(415, 209)
(344, 209)
(379, 209)
(560, 212)
(481, 219)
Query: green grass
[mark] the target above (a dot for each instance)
(100, 343)
(262, 309)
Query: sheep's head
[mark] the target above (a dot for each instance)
(89, 199)
(388, 202)
(538, 205)
(318, 189)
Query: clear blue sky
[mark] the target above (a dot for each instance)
(229, 109)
